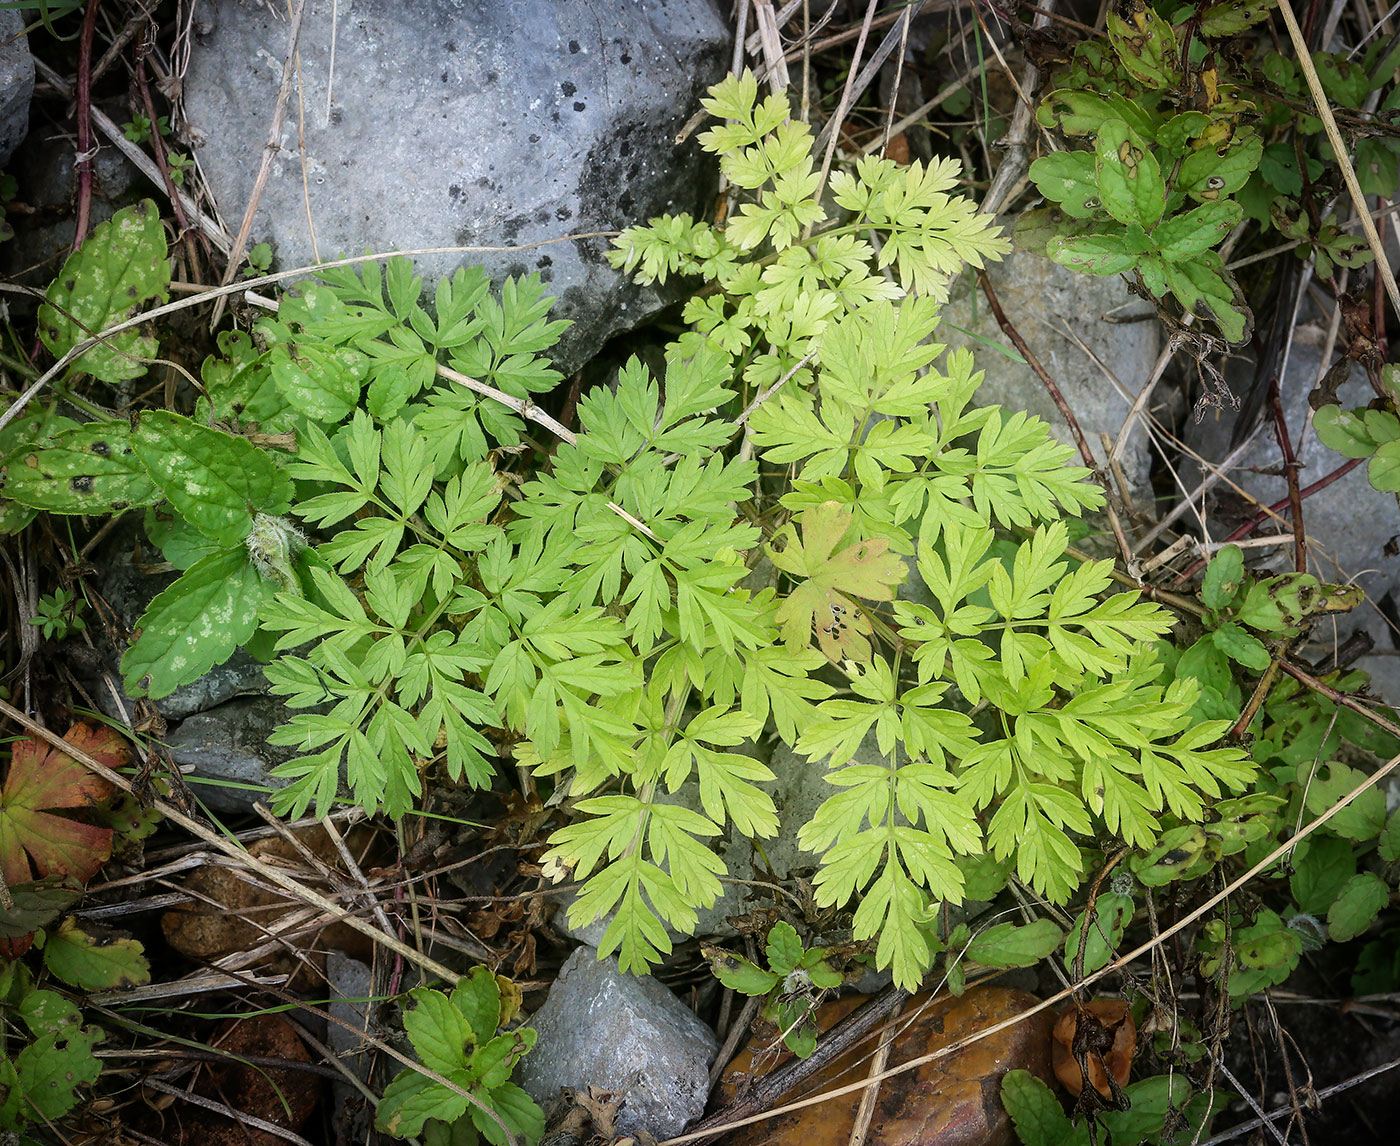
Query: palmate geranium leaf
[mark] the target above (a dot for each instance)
(829, 579)
(42, 779)
(93, 960)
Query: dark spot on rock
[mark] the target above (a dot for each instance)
(81, 484)
(562, 213)
(443, 77)
(626, 204)
(492, 77)
(633, 170)
(512, 227)
(574, 49)
(567, 88)
(554, 117)
(101, 449)
(544, 261)
(542, 215)
(534, 138)
(454, 192)
(451, 45)
(625, 58)
(579, 105)
(624, 149)
(336, 116)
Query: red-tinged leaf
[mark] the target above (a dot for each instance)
(42, 778)
(822, 599)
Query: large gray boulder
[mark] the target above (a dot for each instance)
(1042, 299)
(1352, 529)
(465, 123)
(627, 1034)
(16, 83)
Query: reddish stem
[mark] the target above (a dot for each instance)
(84, 85)
(1290, 473)
(1263, 515)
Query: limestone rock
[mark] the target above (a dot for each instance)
(624, 1033)
(468, 123)
(16, 82)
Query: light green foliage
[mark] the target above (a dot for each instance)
(791, 986)
(40, 1077)
(456, 1036)
(120, 269)
(1160, 1107)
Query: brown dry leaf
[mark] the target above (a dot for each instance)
(950, 1102)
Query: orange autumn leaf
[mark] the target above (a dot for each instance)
(42, 780)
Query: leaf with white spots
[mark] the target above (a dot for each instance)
(215, 481)
(87, 469)
(196, 624)
(120, 268)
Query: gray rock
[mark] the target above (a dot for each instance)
(1349, 525)
(351, 985)
(16, 83)
(1041, 298)
(466, 122)
(626, 1033)
(228, 745)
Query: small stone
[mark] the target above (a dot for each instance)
(952, 1101)
(228, 746)
(623, 1033)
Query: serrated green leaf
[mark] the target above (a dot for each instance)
(1234, 16)
(1204, 281)
(1224, 577)
(121, 267)
(1389, 843)
(322, 382)
(1067, 178)
(1207, 175)
(1383, 472)
(1014, 945)
(1362, 819)
(1111, 915)
(1322, 865)
(215, 481)
(1241, 646)
(411, 1099)
(1146, 46)
(1193, 232)
(87, 469)
(93, 961)
(740, 974)
(196, 623)
(1035, 1111)
(1344, 431)
(1128, 176)
(1103, 253)
(1356, 908)
(52, 1068)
